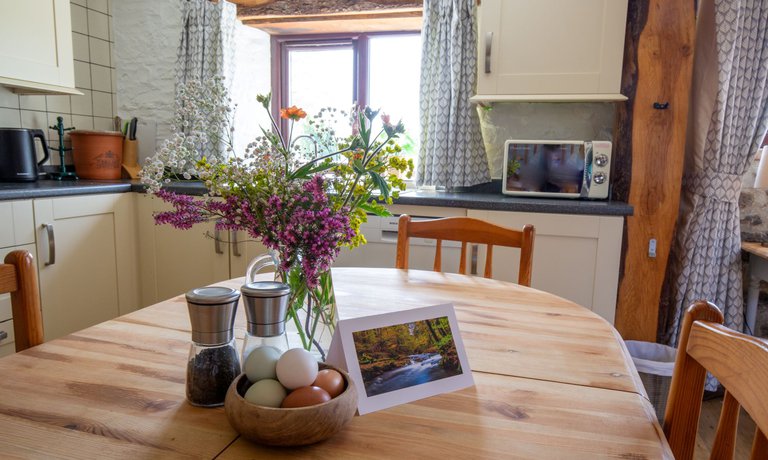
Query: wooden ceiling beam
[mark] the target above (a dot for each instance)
(258, 21)
(281, 8)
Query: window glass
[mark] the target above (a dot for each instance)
(393, 72)
(321, 77)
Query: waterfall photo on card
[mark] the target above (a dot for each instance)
(404, 355)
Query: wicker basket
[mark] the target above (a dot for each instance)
(655, 363)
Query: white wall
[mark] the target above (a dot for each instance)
(147, 36)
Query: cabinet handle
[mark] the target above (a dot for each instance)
(51, 244)
(488, 43)
(217, 242)
(235, 246)
(473, 262)
(3, 335)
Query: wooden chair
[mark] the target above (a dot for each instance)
(18, 277)
(738, 361)
(467, 230)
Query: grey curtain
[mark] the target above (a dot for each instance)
(206, 50)
(728, 114)
(207, 45)
(452, 151)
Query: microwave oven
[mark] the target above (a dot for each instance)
(558, 169)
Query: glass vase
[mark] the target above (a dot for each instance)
(312, 311)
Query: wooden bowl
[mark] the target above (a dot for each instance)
(289, 427)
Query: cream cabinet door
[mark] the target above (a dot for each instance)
(86, 249)
(174, 261)
(36, 45)
(576, 257)
(551, 47)
(242, 249)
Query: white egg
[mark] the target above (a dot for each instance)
(260, 364)
(296, 368)
(267, 392)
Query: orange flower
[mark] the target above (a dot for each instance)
(292, 113)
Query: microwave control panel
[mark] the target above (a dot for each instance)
(599, 170)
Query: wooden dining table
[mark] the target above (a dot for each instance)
(552, 380)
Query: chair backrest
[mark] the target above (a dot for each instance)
(738, 361)
(467, 230)
(18, 277)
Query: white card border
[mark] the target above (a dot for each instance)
(367, 404)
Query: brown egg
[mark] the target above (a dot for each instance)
(330, 381)
(306, 396)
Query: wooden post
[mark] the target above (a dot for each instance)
(650, 137)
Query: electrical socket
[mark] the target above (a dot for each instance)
(652, 247)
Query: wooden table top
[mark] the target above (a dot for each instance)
(552, 380)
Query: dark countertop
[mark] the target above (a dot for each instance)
(471, 200)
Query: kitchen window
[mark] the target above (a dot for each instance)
(380, 70)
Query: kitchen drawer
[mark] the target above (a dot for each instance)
(7, 345)
(18, 223)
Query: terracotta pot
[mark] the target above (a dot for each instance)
(97, 154)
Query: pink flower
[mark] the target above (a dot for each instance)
(385, 119)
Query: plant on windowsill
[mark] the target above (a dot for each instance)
(304, 198)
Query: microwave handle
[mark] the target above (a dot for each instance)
(488, 43)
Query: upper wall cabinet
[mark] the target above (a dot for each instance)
(36, 47)
(550, 50)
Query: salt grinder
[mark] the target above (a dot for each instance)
(213, 361)
(266, 305)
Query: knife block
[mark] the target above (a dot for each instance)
(130, 159)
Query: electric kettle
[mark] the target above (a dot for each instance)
(18, 157)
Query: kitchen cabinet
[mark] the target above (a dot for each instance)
(16, 232)
(576, 257)
(381, 234)
(36, 47)
(550, 50)
(174, 261)
(87, 262)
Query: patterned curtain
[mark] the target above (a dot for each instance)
(728, 114)
(452, 152)
(207, 41)
(207, 49)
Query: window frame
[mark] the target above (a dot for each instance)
(281, 44)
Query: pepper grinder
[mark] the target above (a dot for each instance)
(266, 305)
(213, 362)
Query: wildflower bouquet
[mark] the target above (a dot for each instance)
(304, 198)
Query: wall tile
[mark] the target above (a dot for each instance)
(35, 102)
(113, 77)
(81, 122)
(10, 118)
(82, 105)
(98, 25)
(80, 47)
(103, 124)
(58, 104)
(78, 2)
(101, 79)
(79, 19)
(98, 5)
(82, 75)
(99, 51)
(8, 98)
(34, 120)
(102, 104)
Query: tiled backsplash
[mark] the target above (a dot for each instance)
(92, 42)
